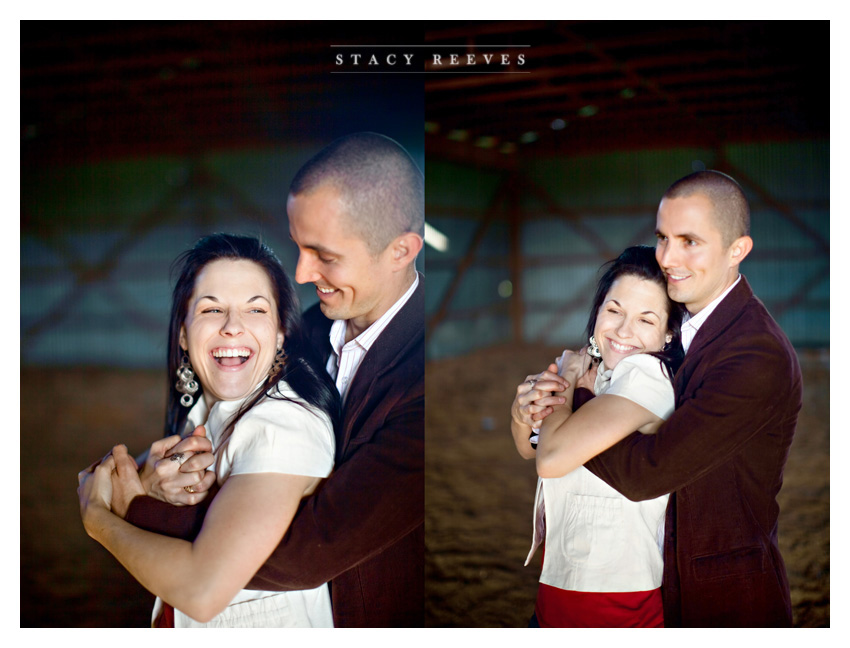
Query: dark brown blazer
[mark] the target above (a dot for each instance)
(721, 455)
(363, 529)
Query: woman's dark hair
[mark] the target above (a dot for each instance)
(302, 370)
(639, 261)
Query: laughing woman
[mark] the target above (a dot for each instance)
(602, 564)
(242, 372)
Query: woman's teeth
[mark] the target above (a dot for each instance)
(231, 357)
(231, 353)
(621, 347)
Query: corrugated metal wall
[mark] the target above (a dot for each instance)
(97, 242)
(576, 213)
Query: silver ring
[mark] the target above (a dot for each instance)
(531, 381)
(177, 456)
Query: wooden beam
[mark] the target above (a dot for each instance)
(725, 166)
(466, 262)
(516, 260)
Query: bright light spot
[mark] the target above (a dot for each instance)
(528, 138)
(458, 135)
(507, 147)
(432, 127)
(627, 93)
(436, 239)
(558, 124)
(485, 141)
(587, 111)
(506, 289)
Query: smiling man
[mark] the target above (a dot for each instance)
(722, 452)
(356, 213)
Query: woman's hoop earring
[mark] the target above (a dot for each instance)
(593, 348)
(186, 383)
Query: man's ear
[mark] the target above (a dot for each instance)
(404, 250)
(740, 248)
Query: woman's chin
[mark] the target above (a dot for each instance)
(231, 392)
(609, 362)
(612, 359)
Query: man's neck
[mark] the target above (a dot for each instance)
(356, 325)
(722, 293)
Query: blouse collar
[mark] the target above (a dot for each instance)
(216, 418)
(603, 378)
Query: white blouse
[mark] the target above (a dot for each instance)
(273, 436)
(596, 539)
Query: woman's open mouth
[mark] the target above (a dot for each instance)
(231, 357)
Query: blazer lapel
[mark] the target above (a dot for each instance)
(403, 332)
(723, 317)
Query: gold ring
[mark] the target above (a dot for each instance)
(189, 489)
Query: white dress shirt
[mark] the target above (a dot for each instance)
(692, 323)
(346, 357)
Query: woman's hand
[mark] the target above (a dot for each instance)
(95, 489)
(126, 484)
(176, 469)
(534, 397)
(533, 402)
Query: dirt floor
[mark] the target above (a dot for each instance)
(69, 418)
(479, 494)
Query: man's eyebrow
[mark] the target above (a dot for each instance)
(683, 235)
(317, 247)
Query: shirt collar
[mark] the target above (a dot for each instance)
(369, 335)
(696, 321)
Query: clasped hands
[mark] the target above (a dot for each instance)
(174, 471)
(539, 393)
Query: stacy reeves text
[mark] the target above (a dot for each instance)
(374, 61)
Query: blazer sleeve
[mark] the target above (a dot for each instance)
(182, 522)
(742, 393)
(373, 499)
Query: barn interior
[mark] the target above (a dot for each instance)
(537, 176)
(137, 138)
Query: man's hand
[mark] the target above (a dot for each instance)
(176, 470)
(574, 365)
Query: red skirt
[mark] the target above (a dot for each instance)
(558, 608)
(165, 618)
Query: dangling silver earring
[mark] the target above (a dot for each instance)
(277, 363)
(593, 349)
(186, 383)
